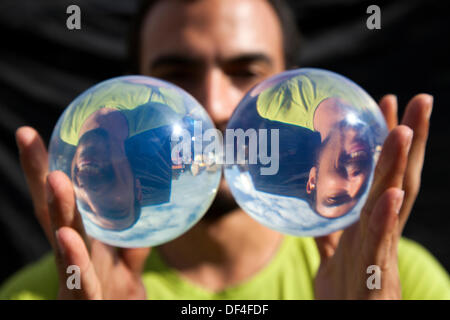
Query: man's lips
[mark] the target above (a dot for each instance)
(92, 172)
(356, 153)
(89, 167)
(357, 148)
(86, 162)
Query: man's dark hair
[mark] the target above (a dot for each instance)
(291, 34)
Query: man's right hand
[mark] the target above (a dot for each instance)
(106, 272)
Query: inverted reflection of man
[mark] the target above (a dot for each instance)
(340, 174)
(345, 155)
(115, 142)
(103, 179)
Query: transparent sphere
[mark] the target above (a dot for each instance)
(139, 174)
(301, 151)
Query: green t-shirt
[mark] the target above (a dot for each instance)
(294, 101)
(144, 108)
(289, 275)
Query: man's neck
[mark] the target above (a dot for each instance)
(216, 255)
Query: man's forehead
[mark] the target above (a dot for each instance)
(225, 28)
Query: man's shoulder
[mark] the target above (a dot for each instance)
(37, 281)
(421, 274)
(422, 277)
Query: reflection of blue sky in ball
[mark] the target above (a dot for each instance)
(190, 198)
(285, 214)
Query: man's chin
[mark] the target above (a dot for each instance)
(222, 205)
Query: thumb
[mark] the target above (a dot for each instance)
(72, 251)
(327, 245)
(61, 205)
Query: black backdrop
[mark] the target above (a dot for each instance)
(43, 66)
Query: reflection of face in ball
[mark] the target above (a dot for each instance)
(103, 180)
(115, 142)
(340, 175)
(329, 134)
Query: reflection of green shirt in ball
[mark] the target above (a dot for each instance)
(294, 101)
(162, 105)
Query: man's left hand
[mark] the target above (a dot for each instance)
(373, 240)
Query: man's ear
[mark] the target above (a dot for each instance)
(138, 190)
(311, 185)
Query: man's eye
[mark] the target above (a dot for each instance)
(243, 74)
(245, 78)
(176, 76)
(354, 172)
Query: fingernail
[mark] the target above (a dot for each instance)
(399, 201)
(19, 147)
(409, 138)
(394, 97)
(58, 245)
(49, 193)
(430, 108)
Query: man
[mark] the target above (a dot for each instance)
(217, 50)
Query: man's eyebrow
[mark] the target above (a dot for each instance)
(251, 57)
(174, 60)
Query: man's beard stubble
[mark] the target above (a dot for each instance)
(222, 205)
(224, 202)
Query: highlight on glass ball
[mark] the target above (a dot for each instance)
(128, 146)
(303, 151)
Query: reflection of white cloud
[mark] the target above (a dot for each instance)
(285, 214)
(244, 183)
(189, 200)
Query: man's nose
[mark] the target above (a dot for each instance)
(219, 97)
(354, 184)
(347, 181)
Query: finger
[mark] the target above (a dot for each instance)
(61, 204)
(34, 162)
(389, 108)
(327, 245)
(73, 252)
(382, 226)
(134, 258)
(416, 117)
(390, 169)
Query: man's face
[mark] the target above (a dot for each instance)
(103, 179)
(341, 173)
(214, 49)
